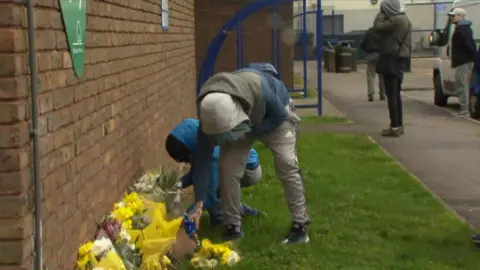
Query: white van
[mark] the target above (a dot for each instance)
(443, 73)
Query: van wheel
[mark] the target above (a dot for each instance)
(474, 106)
(440, 99)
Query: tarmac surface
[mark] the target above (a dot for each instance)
(441, 150)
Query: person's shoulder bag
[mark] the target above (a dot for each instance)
(388, 63)
(370, 42)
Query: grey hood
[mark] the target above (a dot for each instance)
(392, 7)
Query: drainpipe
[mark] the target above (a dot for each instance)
(37, 234)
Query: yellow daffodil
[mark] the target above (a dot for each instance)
(123, 214)
(166, 261)
(82, 262)
(127, 224)
(85, 249)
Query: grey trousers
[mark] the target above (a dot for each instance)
(462, 84)
(232, 162)
(371, 76)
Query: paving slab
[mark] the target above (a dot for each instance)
(442, 151)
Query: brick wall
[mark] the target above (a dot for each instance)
(210, 15)
(97, 132)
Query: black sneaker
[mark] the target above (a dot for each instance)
(392, 132)
(233, 232)
(370, 98)
(298, 234)
(382, 97)
(476, 239)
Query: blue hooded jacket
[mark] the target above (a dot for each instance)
(186, 132)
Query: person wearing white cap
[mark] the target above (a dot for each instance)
(235, 109)
(462, 55)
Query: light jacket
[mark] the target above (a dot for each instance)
(263, 98)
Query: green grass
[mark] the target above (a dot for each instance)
(298, 83)
(367, 213)
(324, 120)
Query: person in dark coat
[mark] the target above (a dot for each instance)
(462, 56)
(394, 28)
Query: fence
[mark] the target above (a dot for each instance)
(351, 24)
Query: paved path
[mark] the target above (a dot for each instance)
(442, 151)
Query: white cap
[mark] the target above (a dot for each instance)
(458, 11)
(219, 113)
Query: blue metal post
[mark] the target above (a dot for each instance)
(277, 35)
(239, 65)
(274, 55)
(304, 18)
(240, 29)
(319, 38)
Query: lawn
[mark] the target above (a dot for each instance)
(367, 213)
(298, 83)
(313, 119)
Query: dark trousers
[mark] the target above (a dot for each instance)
(393, 86)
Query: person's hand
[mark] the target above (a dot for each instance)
(196, 213)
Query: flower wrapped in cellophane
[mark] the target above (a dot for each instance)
(99, 254)
(155, 240)
(210, 255)
(164, 186)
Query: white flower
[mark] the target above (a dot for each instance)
(211, 263)
(233, 258)
(101, 246)
(124, 235)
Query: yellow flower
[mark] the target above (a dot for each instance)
(85, 249)
(127, 224)
(82, 262)
(166, 261)
(123, 214)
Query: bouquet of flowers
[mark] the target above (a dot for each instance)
(99, 254)
(139, 234)
(210, 255)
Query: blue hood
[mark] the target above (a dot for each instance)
(464, 22)
(186, 132)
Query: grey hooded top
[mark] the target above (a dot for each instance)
(393, 25)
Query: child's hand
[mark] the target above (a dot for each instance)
(196, 214)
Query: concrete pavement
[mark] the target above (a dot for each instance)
(442, 151)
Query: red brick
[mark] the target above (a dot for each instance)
(12, 15)
(14, 135)
(14, 206)
(12, 183)
(13, 159)
(17, 87)
(15, 252)
(16, 228)
(58, 119)
(13, 111)
(14, 40)
(63, 97)
(13, 64)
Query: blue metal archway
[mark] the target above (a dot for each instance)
(207, 67)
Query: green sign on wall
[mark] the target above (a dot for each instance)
(74, 14)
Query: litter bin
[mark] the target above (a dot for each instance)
(344, 58)
(329, 59)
